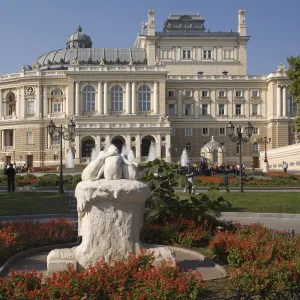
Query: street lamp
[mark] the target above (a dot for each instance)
(59, 133)
(265, 141)
(240, 138)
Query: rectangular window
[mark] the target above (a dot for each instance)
(207, 54)
(221, 109)
(166, 54)
(255, 148)
(29, 139)
(30, 107)
(204, 109)
(171, 109)
(255, 94)
(238, 109)
(221, 93)
(205, 131)
(293, 105)
(254, 109)
(188, 148)
(188, 93)
(186, 54)
(222, 131)
(188, 131)
(171, 93)
(238, 93)
(204, 94)
(57, 107)
(255, 130)
(187, 109)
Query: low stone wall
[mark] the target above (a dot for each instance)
(289, 154)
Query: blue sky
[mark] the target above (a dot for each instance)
(30, 28)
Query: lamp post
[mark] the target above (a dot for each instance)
(265, 141)
(238, 137)
(60, 133)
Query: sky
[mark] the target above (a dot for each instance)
(30, 28)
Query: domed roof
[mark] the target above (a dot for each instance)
(79, 40)
(212, 145)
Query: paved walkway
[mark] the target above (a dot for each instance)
(187, 260)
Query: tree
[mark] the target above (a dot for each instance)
(294, 75)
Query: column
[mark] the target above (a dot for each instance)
(158, 146)
(18, 104)
(168, 146)
(100, 106)
(278, 101)
(67, 101)
(24, 111)
(284, 102)
(14, 139)
(77, 100)
(196, 96)
(3, 139)
(213, 104)
(105, 99)
(179, 108)
(45, 102)
(48, 140)
(263, 106)
(1, 105)
(138, 147)
(37, 101)
(77, 153)
(155, 91)
(247, 104)
(133, 99)
(127, 107)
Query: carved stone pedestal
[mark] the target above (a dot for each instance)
(110, 217)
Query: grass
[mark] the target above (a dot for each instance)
(32, 203)
(261, 202)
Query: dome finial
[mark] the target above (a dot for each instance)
(79, 29)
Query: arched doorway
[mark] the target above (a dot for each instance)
(119, 142)
(146, 142)
(87, 147)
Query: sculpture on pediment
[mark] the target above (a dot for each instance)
(23, 68)
(103, 61)
(163, 118)
(131, 62)
(144, 26)
(74, 61)
(158, 62)
(281, 68)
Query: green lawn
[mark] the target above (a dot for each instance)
(32, 203)
(262, 202)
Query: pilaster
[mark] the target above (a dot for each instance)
(138, 147)
(278, 112)
(133, 98)
(45, 99)
(37, 101)
(196, 97)
(155, 92)
(18, 104)
(127, 104)
(158, 146)
(179, 108)
(67, 101)
(105, 99)
(77, 99)
(99, 98)
(1, 105)
(284, 114)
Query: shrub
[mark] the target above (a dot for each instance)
(18, 235)
(29, 175)
(47, 180)
(76, 179)
(134, 278)
(3, 178)
(68, 179)
(292, 177)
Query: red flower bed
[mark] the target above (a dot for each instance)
(261, 259)
(25, 181)
(277, 174)
(215, 179)
(21, 235)
(134, 278)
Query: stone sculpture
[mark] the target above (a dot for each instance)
(110, 214)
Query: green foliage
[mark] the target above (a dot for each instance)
(294, 75)
(76, 179)
(67, 179)
(47, 180)
(3, 178)
(165, 205)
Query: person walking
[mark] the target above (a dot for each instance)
(253, 169)
(11, 173)
(190, 181)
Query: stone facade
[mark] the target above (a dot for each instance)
(195, 77)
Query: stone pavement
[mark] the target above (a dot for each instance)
(187, 260)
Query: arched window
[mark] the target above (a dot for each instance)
(87, 148)
(116, 103)
(88, 99)
(57, 92)
(144, 98)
